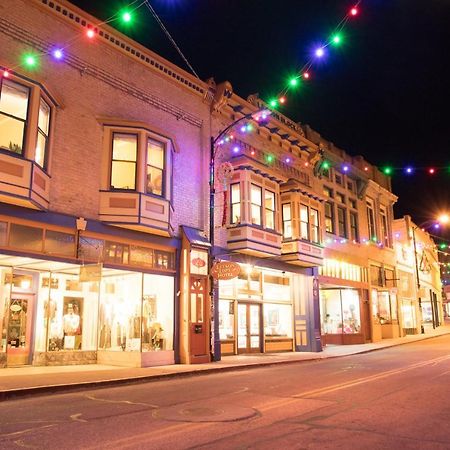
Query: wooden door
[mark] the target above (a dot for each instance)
(199, 329)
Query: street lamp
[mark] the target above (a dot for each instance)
(260, 116)
(442, 219)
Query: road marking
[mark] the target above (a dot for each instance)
(127, 402)
(358, 381)
(76, 417)
(17, 433)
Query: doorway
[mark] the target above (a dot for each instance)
(249, 328)
(19, 333)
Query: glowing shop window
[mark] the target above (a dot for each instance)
(226, 319)
(277, 320)
(5, 291)
(340, 312)
(277, 287)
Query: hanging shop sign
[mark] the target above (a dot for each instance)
(91, 272)
(225, 270)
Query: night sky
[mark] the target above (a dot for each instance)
(384, 93)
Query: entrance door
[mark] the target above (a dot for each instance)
(19, 330)
(199, 331)
(249, 328)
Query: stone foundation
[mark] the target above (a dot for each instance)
(64, 358)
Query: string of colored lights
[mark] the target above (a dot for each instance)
(30, 60)
(304, 73)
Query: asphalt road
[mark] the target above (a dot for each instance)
(397, 398)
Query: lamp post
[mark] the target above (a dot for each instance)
(259, 115)
(442, 219)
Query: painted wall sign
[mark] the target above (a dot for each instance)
(225, 270)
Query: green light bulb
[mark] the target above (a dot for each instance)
(336, 39)
(30, 60)
(325, 165)
(387, 170)
(273, 103)
(270, 158)
(293, 82)
(126, 17)
(442, 246)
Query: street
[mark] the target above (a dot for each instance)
(392, 398)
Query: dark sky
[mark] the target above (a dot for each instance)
(384, 93)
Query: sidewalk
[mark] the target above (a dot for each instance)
(23, 381)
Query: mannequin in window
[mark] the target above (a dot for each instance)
(71, 327)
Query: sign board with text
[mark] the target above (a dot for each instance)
(225, 270)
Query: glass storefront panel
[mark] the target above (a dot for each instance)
(157, 313)
(340, 311)
(350, 311)
(226, 319)
(427, 312)
(408, 314)
(277, 320)
(277, 287)
(120, 311)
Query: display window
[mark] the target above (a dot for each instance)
(408, 314)
(66, 312)
(340, 311)
(226, 319)
(5, 292)
(277, 320)
(387, 307)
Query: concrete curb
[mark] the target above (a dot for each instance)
(15, 394)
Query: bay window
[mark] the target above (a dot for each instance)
(14, 101)
(256, 204)
(123, 161)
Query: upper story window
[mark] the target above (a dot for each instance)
(350, 186)
(327, 192)
(235, 216)
(329, 217)
(14, 99)
(340, 197)
(269, 206)
(385, 233)
(287, 221)
(342, 222)
(139, 160)
(124, 161)
(352, 203)
(25, 113)
(354, 233)
(338, 179)
(256, 204)
(371, 219)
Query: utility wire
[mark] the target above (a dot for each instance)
(150, 8)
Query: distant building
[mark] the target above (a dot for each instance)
(419, 283)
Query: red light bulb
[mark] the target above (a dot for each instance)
(306, 75)
(282, 100)
(431, 171)
(354, 11)
(90, 33)
(5, 73)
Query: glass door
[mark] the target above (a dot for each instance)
(249, 328)
(19, 330)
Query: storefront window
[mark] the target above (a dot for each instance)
(277, 320)
(277, 287)
(387, 307)
(157, 313)
(374, 301)
(67, 312)
(120, 311)
(340, 311)
(408, 314)
(226, 319)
